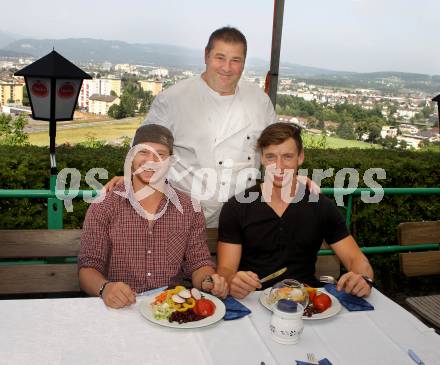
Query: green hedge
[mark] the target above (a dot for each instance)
(372, 224)
(28, 168)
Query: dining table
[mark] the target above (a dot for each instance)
(85, 331)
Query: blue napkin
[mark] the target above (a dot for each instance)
(320, 362)
(234, 309)
(351, 302)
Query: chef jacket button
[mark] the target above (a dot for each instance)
(220, 162)
(228, 163)
(249, 158)
(247, 137)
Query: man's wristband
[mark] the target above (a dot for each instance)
(369, 280)
(101, 289)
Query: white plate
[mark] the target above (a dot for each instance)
(220, 310)
(329, 312)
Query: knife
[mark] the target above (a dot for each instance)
(415, 358)
(274, 275)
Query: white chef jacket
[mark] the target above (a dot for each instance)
(212, 132)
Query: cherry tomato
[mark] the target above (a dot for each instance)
(204, 307)
(321, 302)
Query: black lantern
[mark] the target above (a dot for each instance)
(437, 99)
(53, 84)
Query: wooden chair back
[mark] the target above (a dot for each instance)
(423, 262)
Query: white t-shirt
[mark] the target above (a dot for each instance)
(214, 138)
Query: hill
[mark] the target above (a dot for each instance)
(6, 38)
(98, 50)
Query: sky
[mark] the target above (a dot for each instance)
(348, 35)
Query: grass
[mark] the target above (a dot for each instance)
(321, 141)
(334, 142)
(107, 132)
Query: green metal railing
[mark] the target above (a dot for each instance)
(55, 210)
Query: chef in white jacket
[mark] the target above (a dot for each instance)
(215, 119)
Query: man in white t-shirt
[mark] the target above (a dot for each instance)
(215, 119)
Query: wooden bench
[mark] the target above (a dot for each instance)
(37, 277)
(421, 264)
(50, 245)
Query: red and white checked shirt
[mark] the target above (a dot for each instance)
(118, 242)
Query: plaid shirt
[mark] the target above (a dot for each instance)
(121, 245)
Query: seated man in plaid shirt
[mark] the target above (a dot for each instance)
(144, 234)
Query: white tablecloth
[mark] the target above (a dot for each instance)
(382, 336)
(85, 331)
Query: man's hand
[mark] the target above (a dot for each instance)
(354, 284)
(116, 180)
(243, 283)
(118, 295)
(218, 286)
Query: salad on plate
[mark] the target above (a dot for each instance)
(182, 305)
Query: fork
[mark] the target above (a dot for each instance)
(311, 358)
(327, 279)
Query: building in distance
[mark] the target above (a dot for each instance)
(100, 104)
(388, 131)
(98, 87)
(159, 72)
(11, 92)
(124, 68)
(155, 86)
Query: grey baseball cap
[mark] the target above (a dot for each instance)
(154, 133)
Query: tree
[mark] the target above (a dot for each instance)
(12, 130)
(376, 112)
(314, 141)
(372, 126)
(392, 109)
(128, 105)
(427, 111)
(25, 101)
(374, 132)
(345, 130)
(389, 142)
(133, 88)
(330, 114)
(403, 145)
(116, 112)
(361, 129)
(146, 102)
(392, 120)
